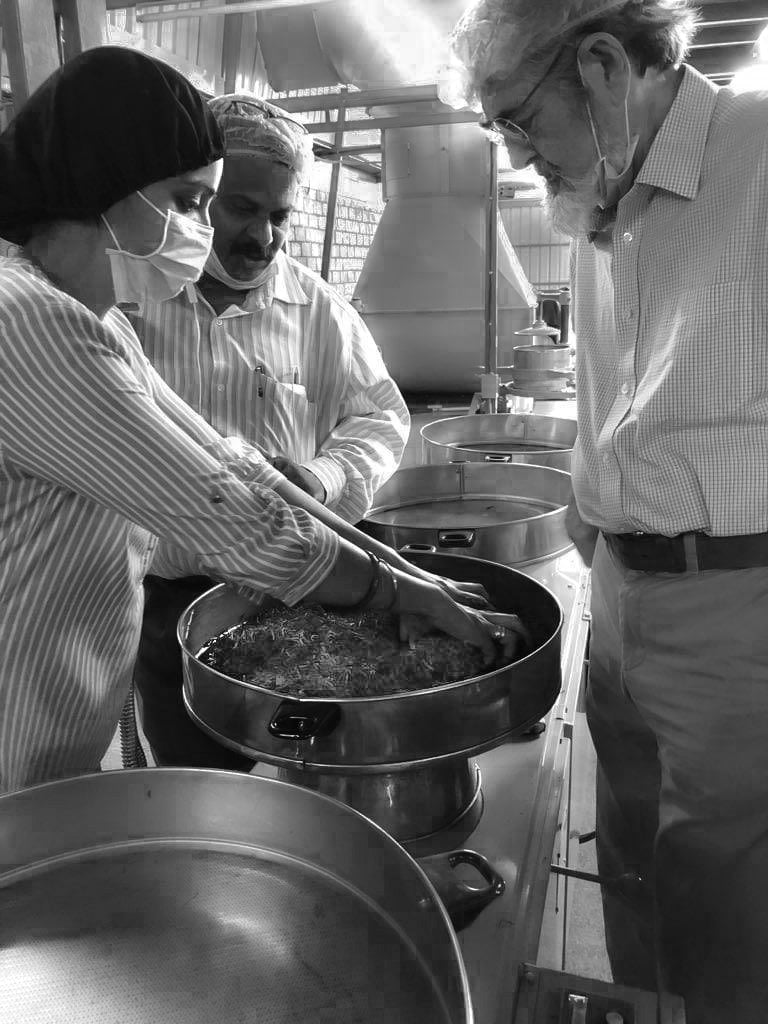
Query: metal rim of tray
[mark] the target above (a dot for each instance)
(201, 817)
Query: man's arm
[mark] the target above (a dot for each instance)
(365, 447)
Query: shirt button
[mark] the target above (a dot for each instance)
(220, 387)
(219, 323)
(627, 237)
(216, 497)
(629, 313)
(624, 389)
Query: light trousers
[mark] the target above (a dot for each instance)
(677, 705)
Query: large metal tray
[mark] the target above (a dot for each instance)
(188, 896)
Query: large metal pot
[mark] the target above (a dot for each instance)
(374, 734)
(187, 896)
(503, 513)
(501, 437)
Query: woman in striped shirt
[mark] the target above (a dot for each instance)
(108, 172)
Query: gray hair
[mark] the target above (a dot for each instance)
(498, 39)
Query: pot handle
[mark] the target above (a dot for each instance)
(456, 538)
(417, 549)
(462, 902)
(304, 720)
(497, 457)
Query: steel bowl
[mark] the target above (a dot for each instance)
(509, 514)
(500, 437)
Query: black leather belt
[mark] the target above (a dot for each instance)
(687, 552)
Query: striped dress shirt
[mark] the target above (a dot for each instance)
(672, 326)
(98, 458)
(294, 371)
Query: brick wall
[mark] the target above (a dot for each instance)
(356, 221)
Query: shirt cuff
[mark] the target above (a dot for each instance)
(330, 474)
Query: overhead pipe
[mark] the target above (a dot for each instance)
(363, 98)
(401, 121)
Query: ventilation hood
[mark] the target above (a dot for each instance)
(423, 285)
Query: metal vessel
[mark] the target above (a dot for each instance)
(501, 437)
(186, 896)
(428, 735)
(508, 514)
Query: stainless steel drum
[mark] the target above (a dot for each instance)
(500, 437)
(504, 513)
(403, 730)
(188, 896)
(424, 737)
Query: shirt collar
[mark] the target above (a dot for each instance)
(675, 158)
(287, 287)
(283, 286)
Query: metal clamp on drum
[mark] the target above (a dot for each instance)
(295, 720)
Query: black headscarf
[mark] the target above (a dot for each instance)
(110, 121)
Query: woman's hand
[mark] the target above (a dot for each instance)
(472, 594)
(425, 606)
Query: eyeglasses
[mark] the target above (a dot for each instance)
(502, 130)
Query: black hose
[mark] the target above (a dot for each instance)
(130, 745)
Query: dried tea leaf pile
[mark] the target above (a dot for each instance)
(308, 651)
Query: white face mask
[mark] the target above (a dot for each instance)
(215, 268)
(178, 260)
(613, 184)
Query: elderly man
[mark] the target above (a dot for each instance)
(661, 179)
(264, 349)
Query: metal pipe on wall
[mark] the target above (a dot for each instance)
(333, 197)
(489, 388)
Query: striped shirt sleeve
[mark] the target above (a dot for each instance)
(80, 411)
(365, 446)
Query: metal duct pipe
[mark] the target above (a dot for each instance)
(425, 289)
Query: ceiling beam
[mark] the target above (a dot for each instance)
(732, 11)
(725, 34)
(710, 62)
(238, 7)
(366, 98)
(401, 121)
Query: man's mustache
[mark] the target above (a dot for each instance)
(252, 253)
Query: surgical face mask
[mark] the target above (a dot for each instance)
(178, 260)
(215, 268)
(613, 184)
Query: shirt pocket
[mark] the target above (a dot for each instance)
(282, 420)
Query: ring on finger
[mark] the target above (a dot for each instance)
(499, 633)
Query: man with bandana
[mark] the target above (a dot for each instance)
(263, 349)
(661, 179)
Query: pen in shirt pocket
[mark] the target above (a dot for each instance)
(259, 371)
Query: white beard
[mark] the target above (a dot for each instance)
(573, 210)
